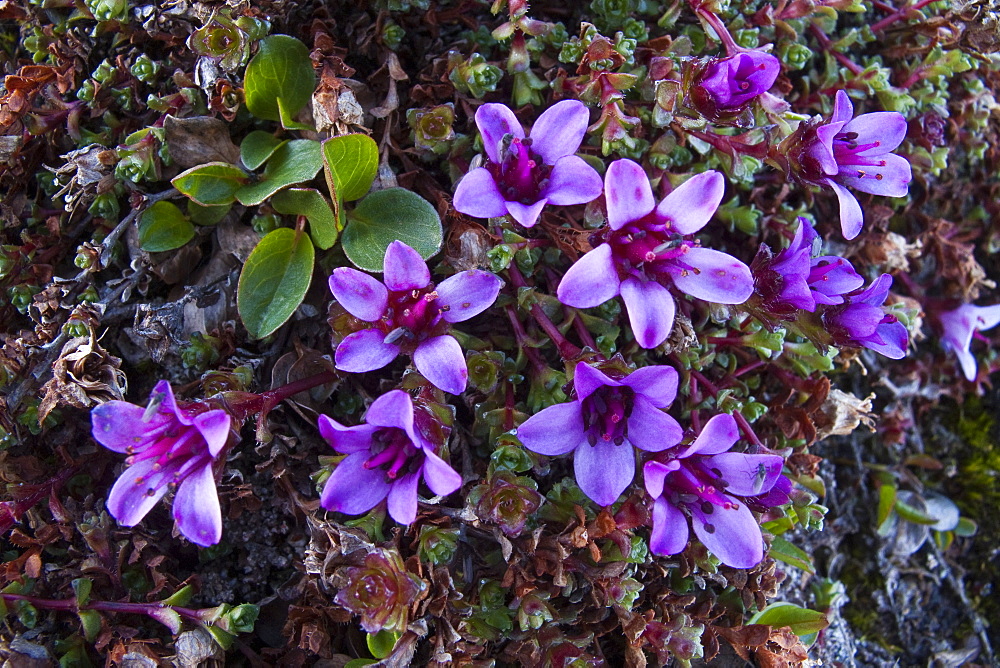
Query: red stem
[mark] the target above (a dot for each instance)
(825, 43)
(566, 349)
(70, 605)
(892, 18)
(11, 511)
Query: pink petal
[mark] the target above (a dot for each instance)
(670, 529)
(364, 351)
(851, 217)
(657, 383)
(888, 128)
(654, 476)
(891, 179)
(214, 428)
(495, 121)
(746, 475)
(651, 429)
(693, 203)
(118, 425)
(477, 195)
(591, 281)
(627, 191)
(404, 268)
(467, 294)
(403, 498)
(559, 130)
(362, 295)
(440, 477)
(553, 431)
(587, 379)
(572, 181)
(441, 361)
(346, 439)
(136, 491)
(719, 277)
(392, 409)
(651, 310)
(843, 109)
(719, 434)
(526, 214)
(604, 470)
(351, 488)
(196, 507)
(731, 533)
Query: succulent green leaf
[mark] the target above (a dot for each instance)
(81, 588)
(180, 597)
(386, 216)
(164, 227)
(310, 203)
(886, 502)
(274, 280)
(90, 620)
(257, 147)
(211, 184)
(168, 617)
(784, 551)
(297, 161)
(380, 644)
(206, 215)
(802, 621)
(351, 165)
(281, 69)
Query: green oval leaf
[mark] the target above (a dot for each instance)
(386, 216)
(274, 280)
(297, 161)
(784, 551)
(164, 227)
(206, 215)
(281, 69)
(211, 184)
(257, 147)
(351, 165)
(802, 621)
(309, 203)
(380, 644)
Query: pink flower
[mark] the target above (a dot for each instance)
(960, 325)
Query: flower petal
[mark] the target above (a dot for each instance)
(658, 383)
(891, 178)
(392, 409)
(746, 475)
(346, 439)
(604, 470)
(440, 477)
(553, 431)
(351, 488)
(572, 181)
(477, 195)
(651, 310)
(670, 529)
(654, 476)
(718, 435)
(494, 121)
(136, 491)
(196, 507)
(591, 281)
(362, 295)
(719, 277)
(559, 130)
(467, 294)
(526, 214)
(651, 429)
(403, 498)
(404, 268)
(118, 425)
(587, 379)
(843, 108)
(168, 403)
(627, 191)
(892, 340)
(886, 128)
(851, 217)
(214, 428)
(693, 203)
(365, 350)
(729, 532)
(441, 361)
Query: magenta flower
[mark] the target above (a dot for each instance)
(793, 279)
(960, 325)
(168, 447)
(861, 321)
(734, 81)
(856, 152)
(703, 483)
(648, 247)
(385, 459)
(602, 424)
(408, 314)
(522, 174)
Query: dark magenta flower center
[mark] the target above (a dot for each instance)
(413, 312)
(521, 174)
(650, 248)
(391, 450)
(606, 412)
(846, 149)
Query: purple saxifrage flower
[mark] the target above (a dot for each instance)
(524, 174)
(408, 314)
(857, 152)
(794, 279)
(602, 424)
(168, 447)
(862, 321)
(648, 246)
(734, 81)
(704, 483)
(385, 459)
(960, 325)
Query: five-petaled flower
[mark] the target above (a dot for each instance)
(960, 325)
(856, 152)
(168, 447)
(602, 424)
(648, 245)
(385, 459)
(703, 482)
(731, 82)
(862, 321)
(523, 174)
(408, 314)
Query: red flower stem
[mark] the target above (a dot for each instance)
(826, 45)
(748, 368)
(279, 394)
(892, 18)
(522, 339)
(581, 328)
(718, 26)
(11, 511)
(566, 349)
(70, 605)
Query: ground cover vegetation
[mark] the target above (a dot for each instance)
(441, 332)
